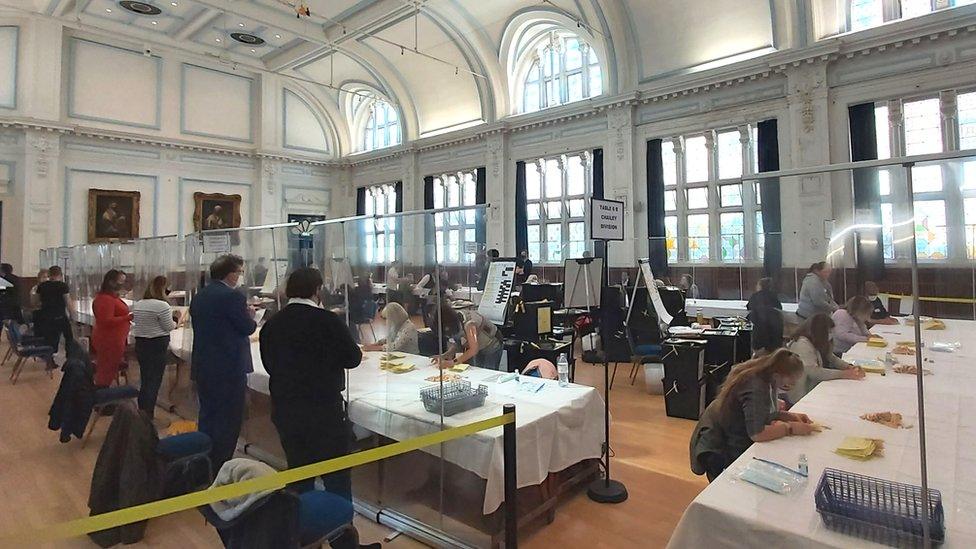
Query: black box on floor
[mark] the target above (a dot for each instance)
(684, 378)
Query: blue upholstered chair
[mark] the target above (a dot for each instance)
(25, 349)
(186, 463)
(105, 397)
(300, 520)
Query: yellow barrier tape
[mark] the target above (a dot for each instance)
(82, 526)
(963, 300)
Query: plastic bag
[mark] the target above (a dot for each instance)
(945, 347)
(775, 478)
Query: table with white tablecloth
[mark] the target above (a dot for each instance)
(556, 427)
(732, 513)
(712, 308)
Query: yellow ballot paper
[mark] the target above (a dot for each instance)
(460, 367)
(877, 342)
(860, 448)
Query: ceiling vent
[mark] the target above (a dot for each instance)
(248, 39)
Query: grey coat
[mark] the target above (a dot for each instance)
(816, 296)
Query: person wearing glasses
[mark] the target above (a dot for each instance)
(222, 324)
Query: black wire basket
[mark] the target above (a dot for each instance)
(878, 510)
(458, 396)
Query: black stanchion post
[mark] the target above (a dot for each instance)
(511, 480)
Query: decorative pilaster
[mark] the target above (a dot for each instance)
(499, 190)
(619, 183)
(42, 154)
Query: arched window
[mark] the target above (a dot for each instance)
(865, 14)
(373, 120)
(562, 68)
(382, 127)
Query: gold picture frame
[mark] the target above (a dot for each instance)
(216, 211)
(113, 216)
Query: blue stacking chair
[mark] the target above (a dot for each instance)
(322, 517)
(186, 459)
(105, 397)
(25, 349)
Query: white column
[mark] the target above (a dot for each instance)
(618, 180)
(500, 194)
(266, 190)
(42, 215)
(805, 201)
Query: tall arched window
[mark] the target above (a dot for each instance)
(373, 120)
(382, 127)
(562, 69)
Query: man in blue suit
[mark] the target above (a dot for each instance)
(221, 359)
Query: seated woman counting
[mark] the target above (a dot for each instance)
(471, 334)
(850, 324)
(879, 313)
(812, 343)
(401, 334)
(746, 411)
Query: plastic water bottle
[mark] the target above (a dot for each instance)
(803, 466)
(562, 368)
(700, 318)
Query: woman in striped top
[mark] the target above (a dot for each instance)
(153, 320)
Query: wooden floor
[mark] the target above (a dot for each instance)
(44, 482)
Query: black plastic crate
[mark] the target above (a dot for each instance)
(878, 510)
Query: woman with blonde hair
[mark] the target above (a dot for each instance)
(812, 343)
(153, 320)
(401, 334)
(746, 411)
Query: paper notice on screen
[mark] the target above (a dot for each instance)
(498, 288)
(662, 313)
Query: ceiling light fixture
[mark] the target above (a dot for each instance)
(108, 10)
(245, 38)
(240, 25)
(155, 22)
(140, 8)
(253, 50)
(174, 4)
(277, 36)
(217, 39)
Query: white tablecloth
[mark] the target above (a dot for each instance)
(556, 427)
(737, 514)
(724, 307)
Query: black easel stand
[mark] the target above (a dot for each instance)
(605, 490)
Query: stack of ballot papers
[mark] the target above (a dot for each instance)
(861, 449)
(877, 342)
(870, 366)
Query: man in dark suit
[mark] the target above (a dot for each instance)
(221, 359)
(306, 350)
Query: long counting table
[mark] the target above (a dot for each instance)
(738, 514)
(556, 427)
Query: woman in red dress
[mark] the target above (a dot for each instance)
(111, 331)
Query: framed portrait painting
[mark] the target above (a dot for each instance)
(216, 211)
(112, 215)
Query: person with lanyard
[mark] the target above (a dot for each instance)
(523, 267)
(52, 320)
(879, 313)
(471, 334)
(220, 360)
(747, 411)
(306, 351)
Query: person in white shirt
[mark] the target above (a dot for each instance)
(153, 320)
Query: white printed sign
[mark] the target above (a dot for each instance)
(662, 312)
(606, 219)
(498, 288)
(218, 243)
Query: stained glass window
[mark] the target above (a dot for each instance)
(930, 229)
(671, 230)
(927, 178)
(864, 14)
(732, 236)
(670, 201)
(969, 207)
(698, 237)
(915, 8)
(382, 126)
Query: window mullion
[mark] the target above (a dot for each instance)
(714, 228)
